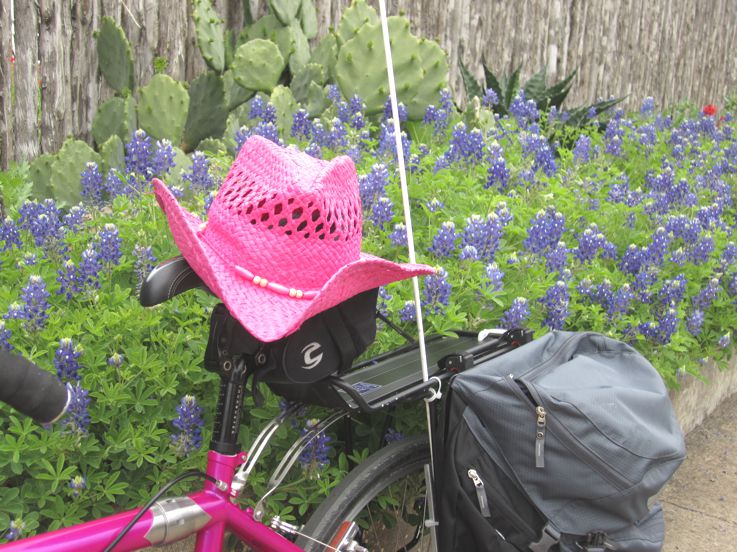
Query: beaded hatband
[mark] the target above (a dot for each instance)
(273, 286)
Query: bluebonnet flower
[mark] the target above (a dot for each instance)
(144, 263)
(373, 185)
(582, 149)
(443, 243)
(683, 227)
(77, 418)
(702, 250)
(333, 93)
(646, 135)
(199, 177)
(408, 313)
(5, 335)
(464, 146)
(525, 111)
(382, 303)
(116, 360)
(729, 255)
(108, 247)
(319, 134)
(261, 109)
(679, 256)
(401, 110)
(497, 174)
(315, 455)
(439, 116)
(34, 310)
(662, 330)
(387, 142)
(43, 221)
(556, 258)
(29, 259)
(620, 301)
(301, 125)
(613, 137)
(207, 202)
(392, 435)
(546, 229)
(92, 184)
(163, 158)
(654, 253)
(77, 484)
(241, 135)
(483, 234)
(138, 154)
(672, 291)
(382, 212)
(555, 302)
(537, 147)
(494, 277)
(398, 236)
(188, 423)
(695, 321)
(68, 278)
(15, 529)
(724, 341)
(74, 219)
(469, 253)
(314, 150)
(490, 98)
(114, 185)
(356, 107)
(10, 235)
(632, 260)
(592, 242)
(516, 315)
(706, 296)
(337, 137)
(66, 360)
(89, 270)
(436, 292)
(648, 106)
(434, 205)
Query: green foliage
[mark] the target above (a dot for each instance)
(15, 187)
(116, 116)
(160, 65)
(66, 170)
(310, 73)
(208, 113)
(308, 18)
(162, 108)
(358, 14)
(41, 175)
(286, 106)
(258, 64)
(209, 29)
(114, 54)
(112, 153)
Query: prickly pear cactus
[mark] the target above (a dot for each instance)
(113, 154)
(317, 100)
(285, 10)
(212, 145)
(162, 108)
(434, 65)
(114, 56)
(300, 85)
(235, 94)
(356, 16)
(66, 171)
(300, 55)
(264, 27)
(257, 65)
(286, 106)
(116, 116)
(308, 18)
(41, 175)
(208, 112)
(210, 31)
(326, 54)
(361, 66)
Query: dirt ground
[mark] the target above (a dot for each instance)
(700, 502)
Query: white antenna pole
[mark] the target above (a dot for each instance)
(407, 214)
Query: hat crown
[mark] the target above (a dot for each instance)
(305, 212)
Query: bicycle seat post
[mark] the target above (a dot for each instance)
(230, 405)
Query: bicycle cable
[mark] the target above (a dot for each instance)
(186, 475)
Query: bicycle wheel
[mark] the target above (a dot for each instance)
(384, 495)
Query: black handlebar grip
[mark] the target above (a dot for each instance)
(31, 390)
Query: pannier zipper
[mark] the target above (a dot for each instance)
(540, 438)
(562, 352)
(480, 492)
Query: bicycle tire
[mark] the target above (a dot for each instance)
(397, 464)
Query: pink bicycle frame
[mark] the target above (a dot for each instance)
(216, 514)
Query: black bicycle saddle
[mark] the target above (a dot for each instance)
(169, 278)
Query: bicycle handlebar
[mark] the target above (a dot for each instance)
(31, 390)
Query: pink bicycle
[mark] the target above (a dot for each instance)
(391, 481)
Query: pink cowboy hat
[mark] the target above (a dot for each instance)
(283, 239)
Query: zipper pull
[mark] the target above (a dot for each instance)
(540, 438)
(480, 492)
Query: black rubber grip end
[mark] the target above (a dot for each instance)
(31, 390)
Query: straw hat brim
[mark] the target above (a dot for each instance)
(266, 314)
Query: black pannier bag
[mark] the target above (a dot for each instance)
(325, 344)
(557, 446)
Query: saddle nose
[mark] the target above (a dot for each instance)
(168, 279)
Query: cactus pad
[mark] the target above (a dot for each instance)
(210, 31)
(300, 55)
(235, 94)
(41, 175)
(326, 54)
(162, 108)
(66, 171)
(114, 56)
(356, 16)
(308, 18)
(212, 145)
(317, 100)
(208, 112)
(285, 10)
(115, 117)
(361, 67)
(312, 72)
(257, 65)
(434, 65)
(113, 154)
(286, 106)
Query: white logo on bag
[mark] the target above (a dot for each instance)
(309, 361)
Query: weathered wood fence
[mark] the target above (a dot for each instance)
(668, 49)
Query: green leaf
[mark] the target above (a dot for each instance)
(473, 88)
(535, 89)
